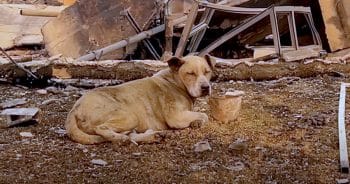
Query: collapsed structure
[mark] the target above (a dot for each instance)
(259, 40)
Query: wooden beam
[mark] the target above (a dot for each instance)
(343, 148)
(292, 30)
(239, 10)
(187, 29)
(235, 31)
(40, 13)
(275, 31)
(314, 31)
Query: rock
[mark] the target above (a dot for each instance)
(136, 154)
(53, 90)
(49, 101)
(202, 146)
(99, 162)
(60, 131)
(239, 146)
(26, 134)
(42, 91)
(71, 88)
(237, 166)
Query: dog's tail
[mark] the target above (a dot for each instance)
(75, 133)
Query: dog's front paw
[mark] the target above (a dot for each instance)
(200, 122)
(204, 118)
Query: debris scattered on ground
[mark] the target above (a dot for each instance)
(99, 162)
(17, 116)
(202, 146)
(26, 134)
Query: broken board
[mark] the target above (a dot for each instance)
(18, 30)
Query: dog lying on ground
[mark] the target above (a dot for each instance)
(139, 110)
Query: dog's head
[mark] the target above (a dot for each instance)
(194, 72)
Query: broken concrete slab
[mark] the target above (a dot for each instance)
(17, 116)
(18, 30)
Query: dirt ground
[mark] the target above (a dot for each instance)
(287, 131)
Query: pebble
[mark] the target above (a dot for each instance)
(202, 146)
(238, 166)
(42, 91)
(99, 162)
(26, 134)
(53, 90)
(238, 146)
(136, 154)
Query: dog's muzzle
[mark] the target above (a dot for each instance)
(205, 90)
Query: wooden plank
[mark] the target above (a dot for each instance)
(275, 31)
(298, 9)
(343, 148)
(239, 10)
(292, 30)
(316, 36)
(235, 31)
(187, 29)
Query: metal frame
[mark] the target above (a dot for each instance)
(138, 29)
(261, 13)
(343, 148)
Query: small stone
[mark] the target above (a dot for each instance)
(237, 166)
(85, 150)
(136, 154)
(53, 90)
(99, 162)
(42, 91)
(60, 131)
(26, 134)
(49, 101)
(71, 88)
(202, 146)
(231, 81)
(238, 146)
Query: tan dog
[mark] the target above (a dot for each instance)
(143, 107)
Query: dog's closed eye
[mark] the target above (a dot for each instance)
(191, 73)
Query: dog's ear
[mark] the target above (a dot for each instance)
(175, 63)
(210, 60)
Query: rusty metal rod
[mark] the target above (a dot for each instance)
(19, 66)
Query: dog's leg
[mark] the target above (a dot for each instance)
(185, 118)
(150, 136)
(115, 130)
(110, 135)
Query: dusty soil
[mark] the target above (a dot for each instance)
(288, 128)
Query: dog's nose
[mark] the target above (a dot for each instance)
(205, 89)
